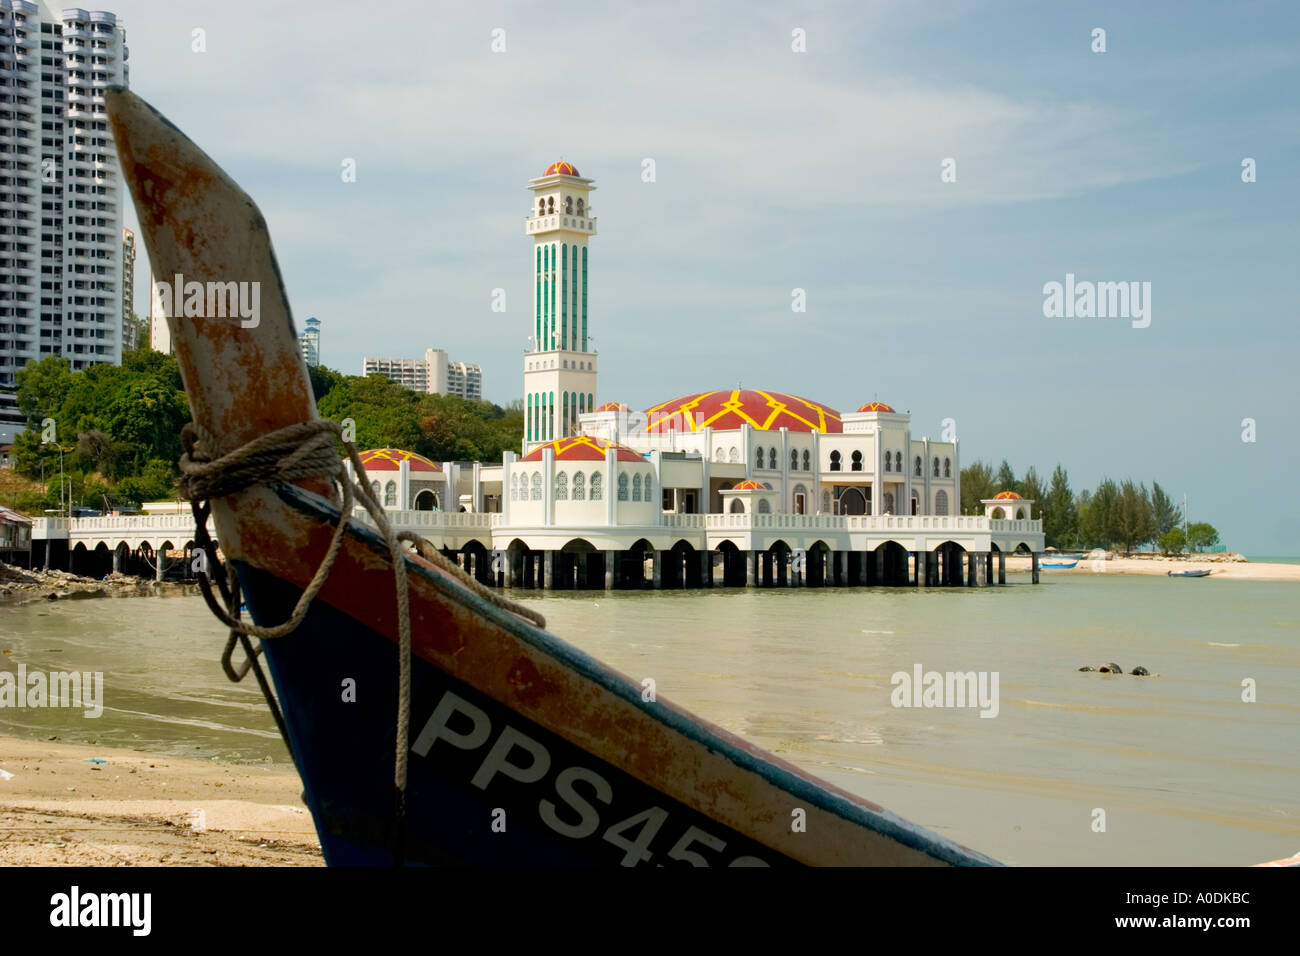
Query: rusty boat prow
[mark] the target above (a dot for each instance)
(523, 749)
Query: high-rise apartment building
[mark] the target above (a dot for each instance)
(310, 343)
(128, 290)
(434, 374)
(61, 271)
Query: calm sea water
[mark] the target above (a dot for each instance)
(1185, 771)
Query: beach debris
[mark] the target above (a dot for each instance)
(94, 760)
(1082, 669)
(1110, 668)
(6, 775)
(1140, 671)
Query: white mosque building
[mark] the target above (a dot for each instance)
(741, 486)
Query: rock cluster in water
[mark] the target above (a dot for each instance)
(1112, 668)
(19, 585)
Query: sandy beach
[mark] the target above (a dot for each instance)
(1221, 566)
(73, 805)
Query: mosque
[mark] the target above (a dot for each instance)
(739, 487)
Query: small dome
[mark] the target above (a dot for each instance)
(1006, 496)
(733, 408)
(390, 459)
(561, 169)
(613, 407)
(876, 407)
(750, 485)
(583, 448)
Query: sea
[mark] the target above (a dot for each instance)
(1193, 765)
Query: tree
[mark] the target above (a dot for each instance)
(42, 387)
(1097, 518)
(1200, 535)
(1165, 515)
(1173, 541)
(1032, 488)
(1060, 515)
(1133, 524)
(1006, 478)
(976, 486)
(323, 379)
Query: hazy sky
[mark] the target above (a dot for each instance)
(820, 170)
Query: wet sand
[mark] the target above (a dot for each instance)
(138, 809)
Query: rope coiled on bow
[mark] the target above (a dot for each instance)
(309, 450)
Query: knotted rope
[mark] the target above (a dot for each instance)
(309, 450)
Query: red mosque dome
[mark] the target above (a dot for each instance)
(613, 407)
(582, 448)
(390, 459)
(731, 409)
(1007, 496)
(561, 169)
(750, 485)
(876, 407)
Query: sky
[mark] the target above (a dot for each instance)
(821, 170)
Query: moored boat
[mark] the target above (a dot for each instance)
(1196, 573)
(1064, 563)
(433, 722)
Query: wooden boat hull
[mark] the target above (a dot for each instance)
(1189, 574)
(523, 749)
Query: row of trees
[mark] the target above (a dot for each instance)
(117, 427)
(1114, 514)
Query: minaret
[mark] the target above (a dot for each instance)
(559, 368)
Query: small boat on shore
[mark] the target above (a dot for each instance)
(1197, 573)
(432, 721)
(1062, 563)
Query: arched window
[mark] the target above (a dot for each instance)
(807, 460)
(374, 489)
(835, 461)
(580, 205)
(857, 461)
(889, 502)
(537, 486)
(734, 455)
(771, 459)
(737, 506)
(887, 463)
(916, 469)
(720, 455)
(561, 487)
(1020, 512)
(390, 495)
(514, 487)
(541, 207)
(898, 462)
(622, 487)
(936, 468)
(636, 487)
(758, 457)
(800, 496)
(579, 487)
(568, 205)
(794, 459)
(764, 506)
(550, 204)
(597, 482)
(947, 467)
(826, 502)
(941, 503)
(649, 487)
(916, 504)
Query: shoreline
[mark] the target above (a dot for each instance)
(20, 586)
(84, 805)
(1231, 566)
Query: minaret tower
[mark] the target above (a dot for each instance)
(559, 367)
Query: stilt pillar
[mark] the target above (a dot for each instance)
(548, 570)
(751, 569)
(972, 566)
(1002, 567)
(842, 568)
(657, 565)
(922, 569)
(611, 570)
(706, 569)
(1033, 566)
